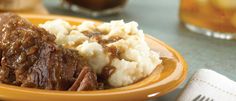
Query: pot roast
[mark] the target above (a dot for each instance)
(29, 57)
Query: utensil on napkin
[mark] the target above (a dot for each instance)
(209, 84)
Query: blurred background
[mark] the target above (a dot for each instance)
(160, 18)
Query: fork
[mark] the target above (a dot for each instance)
(202, 98)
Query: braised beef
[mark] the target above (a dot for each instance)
(30, 58)
(85, 81)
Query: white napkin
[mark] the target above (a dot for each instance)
(210, 84)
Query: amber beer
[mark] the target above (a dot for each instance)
(211, 17)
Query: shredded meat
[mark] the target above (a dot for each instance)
(30, 58)
(85, 81)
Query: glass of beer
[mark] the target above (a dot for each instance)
(215, 18)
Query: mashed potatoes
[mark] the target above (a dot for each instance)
(134, 59)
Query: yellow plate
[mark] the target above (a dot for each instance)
(160, 82)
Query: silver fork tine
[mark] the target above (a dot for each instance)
(203, 97)
(196, 99)
(207, 99)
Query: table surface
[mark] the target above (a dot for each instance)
(160, 19)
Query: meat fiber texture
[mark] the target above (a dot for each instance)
(30, 58)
